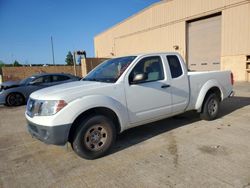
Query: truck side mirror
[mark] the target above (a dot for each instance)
(139, 78)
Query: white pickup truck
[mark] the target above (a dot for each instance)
(119, 94)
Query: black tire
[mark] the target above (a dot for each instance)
(211, 107)
(94, 137)
(15, 99)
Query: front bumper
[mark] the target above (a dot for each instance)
(57, 135)
(2, 97)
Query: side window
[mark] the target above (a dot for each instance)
(58, 78)
(175, 66)
(38, 80)
(43, 79)
(151, 66)
(46, 79)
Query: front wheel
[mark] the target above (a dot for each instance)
(94, 137)
(15, 99)
(210, 108)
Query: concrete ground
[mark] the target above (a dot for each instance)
(183, 151)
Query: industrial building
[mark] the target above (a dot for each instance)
(209, 34)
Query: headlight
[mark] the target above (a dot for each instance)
(48, 108)
(44, 108)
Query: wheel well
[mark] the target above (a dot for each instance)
(15, 93)
(94, 111)
(214, 90)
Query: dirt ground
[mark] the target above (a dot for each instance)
(183, 151)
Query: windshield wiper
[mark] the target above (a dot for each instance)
(92, 79)
(89, 79)
(98, 80)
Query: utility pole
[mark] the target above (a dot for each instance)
(74, 60)
(52, 47)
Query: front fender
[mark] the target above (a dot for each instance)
(70, 112)
(203, 91)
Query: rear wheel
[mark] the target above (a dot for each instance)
(15, 99)
(210, 108)
(94, 137)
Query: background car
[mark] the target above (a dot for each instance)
(17, 93)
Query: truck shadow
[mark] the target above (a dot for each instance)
(142, 133)
(232, 104)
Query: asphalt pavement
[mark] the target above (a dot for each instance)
(182, 151)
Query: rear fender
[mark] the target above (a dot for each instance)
(203, 91)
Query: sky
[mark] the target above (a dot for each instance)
(26, 26)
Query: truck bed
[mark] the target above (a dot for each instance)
(198, 80)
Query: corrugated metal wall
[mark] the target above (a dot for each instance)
(163, 25)
(236, 30)
(152, 40)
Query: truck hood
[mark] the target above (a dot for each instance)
(69, 91)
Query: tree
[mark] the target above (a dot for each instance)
(69, 59)
(16, 64)
(1, 64)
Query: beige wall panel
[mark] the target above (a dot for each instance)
(170, 12)
(162, 39)
(165, 12)
(237, 64)
(162, 13)
(236, 30)
(137, 23)
(198, 7)
(234, 2)
(104, 45)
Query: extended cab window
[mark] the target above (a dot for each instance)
(151, 66)
(175, 66)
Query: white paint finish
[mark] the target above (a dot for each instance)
(82, 96)
(201, 82)
(179, 89)
(143, 102)
(136, 104)
(81, 104)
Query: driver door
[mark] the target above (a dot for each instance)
(151, 98)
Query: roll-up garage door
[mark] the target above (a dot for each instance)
(204, 44)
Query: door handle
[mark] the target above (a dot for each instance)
(165, 86)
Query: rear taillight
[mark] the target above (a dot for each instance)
(232, 78)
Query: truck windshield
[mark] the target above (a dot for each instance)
(110, 70)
